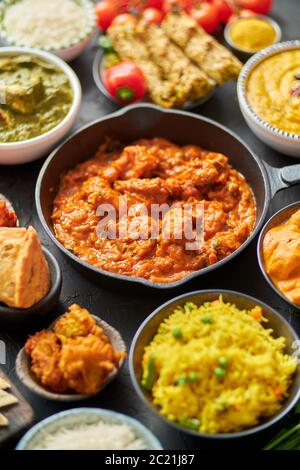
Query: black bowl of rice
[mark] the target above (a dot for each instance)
(216, 364)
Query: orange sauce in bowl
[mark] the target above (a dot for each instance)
(281, 250)
(153, 172)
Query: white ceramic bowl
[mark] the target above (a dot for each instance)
(75, 417)
(14, 153)
(65, 51)
(285, 142)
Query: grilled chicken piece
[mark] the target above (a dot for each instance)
(213, 58)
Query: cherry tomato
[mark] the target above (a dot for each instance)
(206, 15)
(168, 6)
(153, 4)
(121, 6)
(242, 14)
(125, 82)
(185, 5)
(224, 10)
(140, 5)
(188, 4)
(152, 15)
(124, 18)
(262, 7)
(105, 12)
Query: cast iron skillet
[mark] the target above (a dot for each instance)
(147, 120)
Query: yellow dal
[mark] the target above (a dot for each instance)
(269, 88)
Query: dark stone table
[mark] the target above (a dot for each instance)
(126, 310)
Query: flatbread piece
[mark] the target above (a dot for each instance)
(3, 420)
(7, 399)
(24, 271)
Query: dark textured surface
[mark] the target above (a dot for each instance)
(126, 310)
(19, 415)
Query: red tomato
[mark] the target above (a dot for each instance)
(105, 12)
(168, 6)
(206, 15)
(124, 18)
(262, 7)
(140, 5)
(241, 13)
(189, 4)
(121, 6)
(224, 10)
(152, 15)
(125, 82)
(153, 4)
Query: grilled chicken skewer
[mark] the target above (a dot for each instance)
(214, 59)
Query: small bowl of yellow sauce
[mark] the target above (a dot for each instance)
(248, 35)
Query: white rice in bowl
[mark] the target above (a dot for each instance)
(92, 436)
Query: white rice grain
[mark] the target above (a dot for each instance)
(40, 23)
(94, 436)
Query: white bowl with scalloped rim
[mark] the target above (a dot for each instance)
(282, 141)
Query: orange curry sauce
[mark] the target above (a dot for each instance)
(153, 172)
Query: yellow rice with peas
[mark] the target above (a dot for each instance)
(216, 369)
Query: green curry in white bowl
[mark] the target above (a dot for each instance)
(36, 95)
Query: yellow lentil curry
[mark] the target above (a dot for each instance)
(35, 97)
(273, 90)
(252, 34)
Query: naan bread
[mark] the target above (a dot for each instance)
(4, 384)
(7, 399)
(3, 420)
(24, 272)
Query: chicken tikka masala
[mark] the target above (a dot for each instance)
(149, 172)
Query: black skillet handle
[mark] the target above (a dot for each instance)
(281, 178)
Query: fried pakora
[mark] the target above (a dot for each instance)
(76, 356)
(86, 363)
(77, 322)
(44, 350)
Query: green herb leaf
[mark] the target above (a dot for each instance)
(207, 320)
(149, 379)
(191, 423)
(177, 333)
(106, 44)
